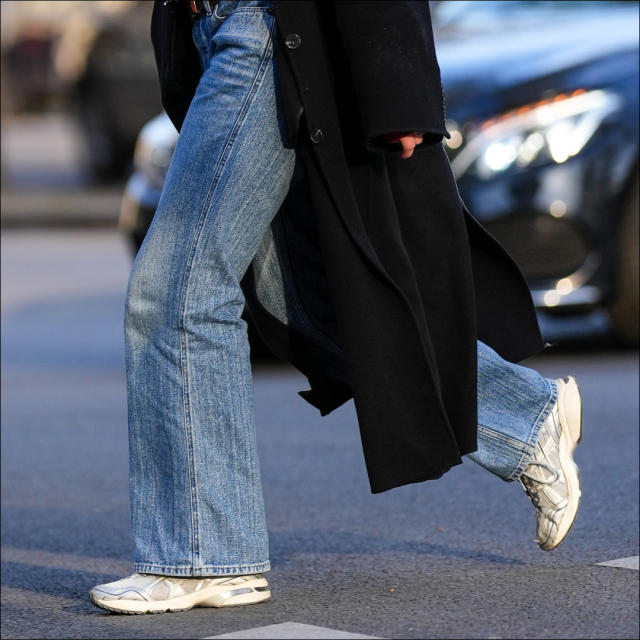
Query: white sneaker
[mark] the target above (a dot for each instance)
(148, 593)
(552, 479)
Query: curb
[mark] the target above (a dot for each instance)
(99, 207)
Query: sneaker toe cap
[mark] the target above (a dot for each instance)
(102, 594)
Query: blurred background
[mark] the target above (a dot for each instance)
(542, 107)
(542, 104)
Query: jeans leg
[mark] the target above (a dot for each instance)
(195, 489)
(513, 402)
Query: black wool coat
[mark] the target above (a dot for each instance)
(392, 271)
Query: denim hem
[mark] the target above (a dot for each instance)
(506, 450)
(204, 571)
(535, 431)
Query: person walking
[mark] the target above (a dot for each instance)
(309, 184)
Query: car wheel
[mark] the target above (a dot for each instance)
(625, 310)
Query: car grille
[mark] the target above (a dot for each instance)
(543, 247)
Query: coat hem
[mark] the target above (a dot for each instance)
(380, 486)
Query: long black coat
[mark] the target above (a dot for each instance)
(387, 261)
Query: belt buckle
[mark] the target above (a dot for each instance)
(198, 7)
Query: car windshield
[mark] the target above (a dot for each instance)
(476, 15)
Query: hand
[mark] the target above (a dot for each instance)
(408, 141)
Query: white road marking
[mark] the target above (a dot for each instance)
(624, 563)
(287, 630)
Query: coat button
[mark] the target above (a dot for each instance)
(293, 41)
(317, 135)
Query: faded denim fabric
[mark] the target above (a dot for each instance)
(195, 488)
(513, 402)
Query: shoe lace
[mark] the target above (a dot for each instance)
(533, 486)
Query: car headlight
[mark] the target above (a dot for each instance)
(548, 131)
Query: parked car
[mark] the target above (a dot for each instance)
(92, 59)
(542, 104)
(117, 91)
(542, 100)
(151, 157)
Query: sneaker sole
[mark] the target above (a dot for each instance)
(570, 416)
(252, 592)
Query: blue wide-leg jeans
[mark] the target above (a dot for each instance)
(195, 491)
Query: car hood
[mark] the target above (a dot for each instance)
(530, 45)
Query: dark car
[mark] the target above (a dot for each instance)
(542, 107)
(542, 101)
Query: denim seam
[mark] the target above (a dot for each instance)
(184, 287)
(496, 435)
(241, 10)
(184, 360)
(535, 431)
(132, 414)
(188, 433)
(186, 570)
(201, 35)
(224, 155)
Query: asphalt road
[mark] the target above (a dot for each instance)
(454, 558)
